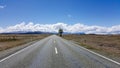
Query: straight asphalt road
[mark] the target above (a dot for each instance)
(56, 52)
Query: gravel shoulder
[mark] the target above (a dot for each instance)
(107, 45)
(11, 43)
(10, 51)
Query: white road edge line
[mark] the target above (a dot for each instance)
(56, 51)
(100, 55)
(14, 54)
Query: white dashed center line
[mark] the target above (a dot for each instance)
(54, 41)
(56, 51)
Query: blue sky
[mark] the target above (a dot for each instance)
(89, 12)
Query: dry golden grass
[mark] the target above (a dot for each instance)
(12, 40)
(106, 44)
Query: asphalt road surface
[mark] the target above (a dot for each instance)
(56, 52)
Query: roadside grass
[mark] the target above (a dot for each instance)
(108, 45)
(88, 47)
(12, 40)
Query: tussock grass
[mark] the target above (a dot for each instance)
(106, 44)
(12, 40)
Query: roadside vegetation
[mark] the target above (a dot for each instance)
(8, 41)
(60, 32)
(108, 45)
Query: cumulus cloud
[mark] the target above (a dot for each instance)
(2, 6)
(75, 28)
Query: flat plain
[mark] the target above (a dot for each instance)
(8, 41)
(107, 45)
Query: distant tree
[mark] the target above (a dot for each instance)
(60, 32)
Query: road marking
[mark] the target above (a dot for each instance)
(15, 53)
(100, 55)
(54, 41)
(103, 56)
(56, 51)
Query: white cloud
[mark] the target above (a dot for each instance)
(1, 29)
(66, 27)
(2, 6)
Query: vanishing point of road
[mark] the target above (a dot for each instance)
(56, 52)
